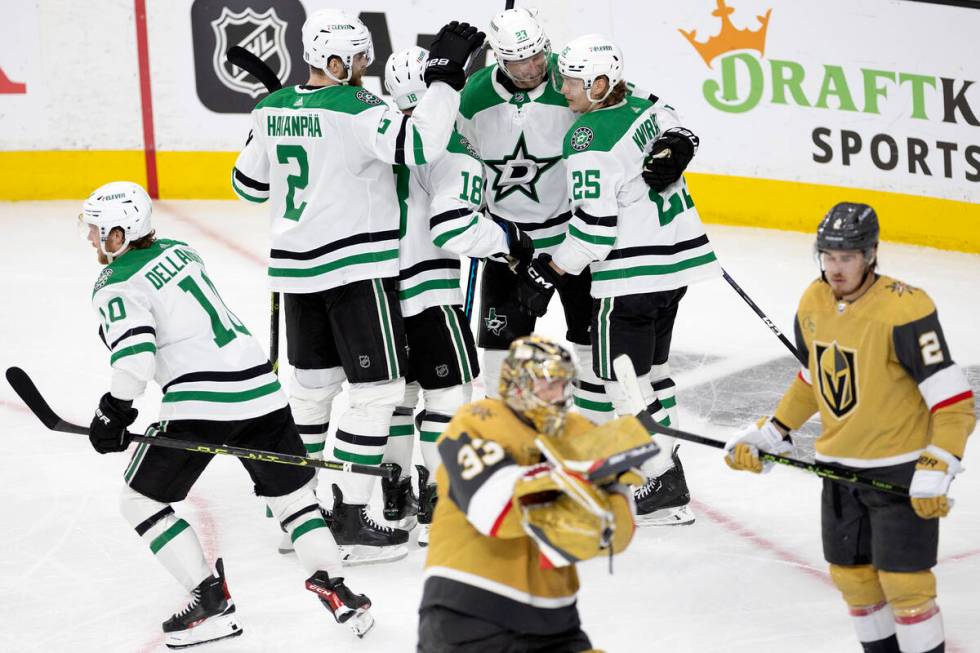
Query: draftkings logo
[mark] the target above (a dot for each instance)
(270, 30)
(837, 377)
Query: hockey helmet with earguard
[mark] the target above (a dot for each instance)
(334, 33)
(121, 204)
(404, 76)
(588, 58)
(515, 35)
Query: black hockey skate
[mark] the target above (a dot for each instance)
(400, 503)
(361, 539)
(209, 616)
(345, 606)
(662, 501)
(427, 504)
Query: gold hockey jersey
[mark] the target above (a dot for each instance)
(480, 560)
(880, 373)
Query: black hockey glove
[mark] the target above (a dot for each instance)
(448, 54)
(520, 246)
(536, 284)
(669, 158)
(108, 433)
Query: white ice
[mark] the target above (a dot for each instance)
(747, 577)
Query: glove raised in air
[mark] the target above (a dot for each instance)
(449, 52)
(668, 159)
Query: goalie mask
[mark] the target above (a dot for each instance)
(516, 35)
(403, 76)
(588, 58)
(527, 378)
(121, 204)
(333, 33)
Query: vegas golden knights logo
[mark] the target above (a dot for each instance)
(837, 377)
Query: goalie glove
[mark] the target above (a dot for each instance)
(449, 52)
(742, 449)
(589, 452)
(107, 432)
(930, 483)
(668, 159)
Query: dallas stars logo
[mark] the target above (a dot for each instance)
(519, 171)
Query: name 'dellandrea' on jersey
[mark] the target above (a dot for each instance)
(160, 273)
(293, 125)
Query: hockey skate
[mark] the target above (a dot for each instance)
(427, 504)
(345, 606)
(400, 502)
(663, 501)
(361, 540)
(209, 616)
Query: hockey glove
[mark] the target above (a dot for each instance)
(448, 54)
(536, 284)
(930, 482)
(107, 432)
(669, 158)
(742, 450)
(520, 246)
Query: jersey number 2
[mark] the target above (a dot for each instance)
(285, 154)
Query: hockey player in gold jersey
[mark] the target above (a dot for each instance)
(500, 572)
(893, 405)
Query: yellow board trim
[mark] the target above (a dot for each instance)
(721, 199)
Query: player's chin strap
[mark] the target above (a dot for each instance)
(114, 255)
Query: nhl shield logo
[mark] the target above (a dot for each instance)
(442, 371)
(837, 377)
(263, 34)
(364, 361)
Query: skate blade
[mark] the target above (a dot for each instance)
(680, 516)
(357, 555)
(212, 630)
(423, 540)
(361, 623)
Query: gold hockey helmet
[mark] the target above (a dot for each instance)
(528, 375)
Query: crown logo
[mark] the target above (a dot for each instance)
(730, 37)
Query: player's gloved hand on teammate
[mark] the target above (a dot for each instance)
(449, 52)
(536, 284)
(107, 432)
(520, 246)
(930, 483)
(669, 158)
(742, 449)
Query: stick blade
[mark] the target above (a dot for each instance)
(626, 375)
(31, 396)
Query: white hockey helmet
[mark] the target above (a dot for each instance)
(516, 34)
(335, 33)
(588, 58)
(403, 76)
(120, 204)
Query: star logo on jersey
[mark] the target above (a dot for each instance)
(495, 323)
(519, 172)
(581, 138)
(837, 377)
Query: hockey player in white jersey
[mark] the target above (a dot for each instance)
(643, 247)
(163, 320)
(322, 153)
(441, 220)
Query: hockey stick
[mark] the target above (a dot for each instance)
(765, 318)
(31, 396)
(259, 69)
(625, 374)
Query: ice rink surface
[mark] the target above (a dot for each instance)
(748, 576)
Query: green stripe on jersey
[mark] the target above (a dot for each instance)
(241, 192)
(461, 352)
(653, 270)
(221, 397)
(387, 329)
(548, 241)
(442, 239)
(161, 540)
(431, 284)
(132, 350)
(589, 238)
(357, 259)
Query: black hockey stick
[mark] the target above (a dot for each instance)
(259, 69)
(765, 318)
(31, 396)
(626, 376)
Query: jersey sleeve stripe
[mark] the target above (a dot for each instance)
(446, 216)
(135, 331)
(248, 182)
(804, 375)
(141, 348)
(590, 238)
(400, 142)
(251, 196)
(963, 396)
(596, 220)
(491, 501)
(943, 387)
(443, 238)
(500, 519)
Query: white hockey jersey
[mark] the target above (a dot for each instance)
(634, 239)
(442, 220)
(323, 156)
(519, 138)
(163, 319)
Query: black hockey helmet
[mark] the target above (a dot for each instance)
(848, 226)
